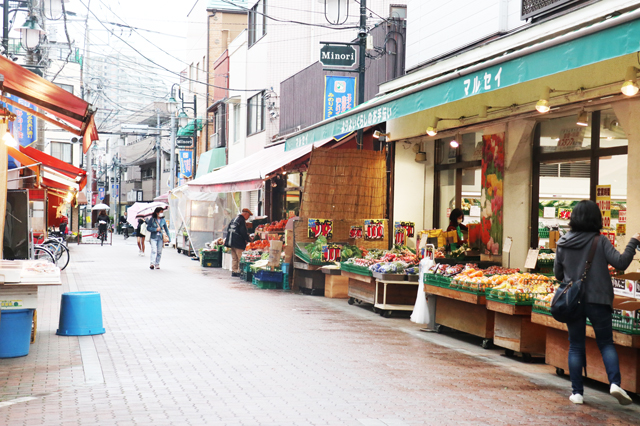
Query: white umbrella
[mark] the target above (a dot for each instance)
(100, 207)
(147, 211)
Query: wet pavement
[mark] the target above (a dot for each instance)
(187, 345)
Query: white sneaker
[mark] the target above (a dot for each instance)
(618, 393)
(576, 398)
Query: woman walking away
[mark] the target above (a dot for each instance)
(141, 233)
(597, 303)
(155, 225)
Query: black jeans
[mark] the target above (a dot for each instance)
(600, 317)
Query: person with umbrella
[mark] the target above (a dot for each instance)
(103, 221)
(237, 239)
(155, 225)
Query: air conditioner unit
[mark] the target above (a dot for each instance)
(216, 141)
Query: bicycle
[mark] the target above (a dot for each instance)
(41, 252)
(59, 251)
(102, 231)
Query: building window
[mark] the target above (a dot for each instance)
(147, 173)
(257, 22)
(236, 123)
(255, 116)
(62, 151)
(67, 87)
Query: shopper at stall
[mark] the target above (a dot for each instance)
(597, 302)
(455, 224)
(64, 221)
(237, 239)
(155, 225)
(141, 232)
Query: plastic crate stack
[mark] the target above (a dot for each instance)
(211, 258)
(268, 279)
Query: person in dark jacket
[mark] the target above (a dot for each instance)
(571, 257)
(237, 239)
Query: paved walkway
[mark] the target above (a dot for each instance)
(190, 346)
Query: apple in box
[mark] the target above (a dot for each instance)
(622, 287)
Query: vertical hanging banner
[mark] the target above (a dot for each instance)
(355, 232)
(374, 229)
(320, 228)
(491, 200)
(603, 199)
(101, 193)
(24, 128)
(186, 164)
(339, 95)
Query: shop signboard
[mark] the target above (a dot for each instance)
(603, 199)
(186, 164)
(338, 55)
(23, 128)
(331, 253)
(320, 228)
(355, 232)
(89, 236)
(339, 95)
(492, 198)
(621, 229)
(374, 229)
(571, 137)
(184, 143)
(101, 193)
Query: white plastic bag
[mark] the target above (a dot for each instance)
(422, 311)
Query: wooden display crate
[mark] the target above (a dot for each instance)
(336, 287)
(361, 287)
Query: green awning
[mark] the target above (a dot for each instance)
(597, 45)
(188, 130)
(211, 160)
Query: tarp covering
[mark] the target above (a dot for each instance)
(79, 176)
(26, 85)
(189, 128)
(248, 174)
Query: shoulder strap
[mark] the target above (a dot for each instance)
(592, 253)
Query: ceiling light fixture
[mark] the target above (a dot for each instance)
(433, 129)
(543, 106)
(630, 85)
(583, 118)
(454, 144)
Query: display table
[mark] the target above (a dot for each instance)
(462, 311)
(308, 278)
(362, 288)
(557, 351)
(394, 296)
(514, 331)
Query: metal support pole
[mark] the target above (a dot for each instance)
(158, 171)
(89, 184)
(5, 28)
(195, 135)
(172, 181)
(361, 64)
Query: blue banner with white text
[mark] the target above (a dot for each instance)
(339, 95)
(186, 164)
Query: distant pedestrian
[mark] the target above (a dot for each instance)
(237, 239)
(103, 223)
(155, 225)
(597, 301)
(124, 225)
(141, 232)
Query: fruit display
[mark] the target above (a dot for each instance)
(258, 245)
(274, 226)
(251, 256)
(499, 270)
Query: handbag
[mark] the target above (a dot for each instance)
(566, 305)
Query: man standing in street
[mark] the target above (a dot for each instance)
(237, 239)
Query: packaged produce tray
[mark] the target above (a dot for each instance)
(625, 324)
(263, 275)
(355, 269)
(541, 306)
(413, 277)
(469, 287)
(389, 277)
(437, 280)
(502, 296)
(543, 233)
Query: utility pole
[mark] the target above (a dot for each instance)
(362, 34)
(158, 171)
(172, 181)
(195, 135)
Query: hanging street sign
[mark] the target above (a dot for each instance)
(184, 142)
(338, 55)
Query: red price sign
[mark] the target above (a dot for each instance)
(355, 232)
(320, 228)
(374, 229)
(401, 236)
(622, 216)
(331, 253)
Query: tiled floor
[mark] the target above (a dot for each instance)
(190, 346)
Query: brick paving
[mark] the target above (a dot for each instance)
(190, 346)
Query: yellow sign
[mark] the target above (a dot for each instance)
(621, 229)
(603, 199)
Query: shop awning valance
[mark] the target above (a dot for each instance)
(75, 113)
(249, 173)
(57, 167)
(611, 38)
(189, 129)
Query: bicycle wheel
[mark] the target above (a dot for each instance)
(42, 253)
(61, 254)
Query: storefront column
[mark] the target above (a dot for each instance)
(627, 112)
(75, 216)
(408, 194)
(517, 188)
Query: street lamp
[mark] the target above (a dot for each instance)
(53, 9)
(172, 105)
(30, 33)
(183, 118)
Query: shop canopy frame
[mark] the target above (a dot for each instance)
(63, 109)
(611, 38)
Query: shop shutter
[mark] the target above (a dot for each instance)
(549, 170)
(253, 202)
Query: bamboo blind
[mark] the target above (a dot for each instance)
(345, 184)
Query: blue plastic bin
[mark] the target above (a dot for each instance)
(285, 268)
(15, 332)
(80, 314)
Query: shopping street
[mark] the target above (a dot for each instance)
(189, 345)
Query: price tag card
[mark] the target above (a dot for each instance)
(474, 211)
(374, 229)
(532, 259)
(507, 245)
(549, 212)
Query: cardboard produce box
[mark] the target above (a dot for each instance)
(631, 287)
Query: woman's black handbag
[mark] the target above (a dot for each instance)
(566, 305)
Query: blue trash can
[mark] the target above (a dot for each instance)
(80, 314)
(15, 332)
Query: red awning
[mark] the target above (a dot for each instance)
(74, 111)
(76, 174)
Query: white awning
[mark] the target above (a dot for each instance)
(249, 173)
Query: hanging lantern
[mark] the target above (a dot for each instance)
(336, 12)
(30, 33)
